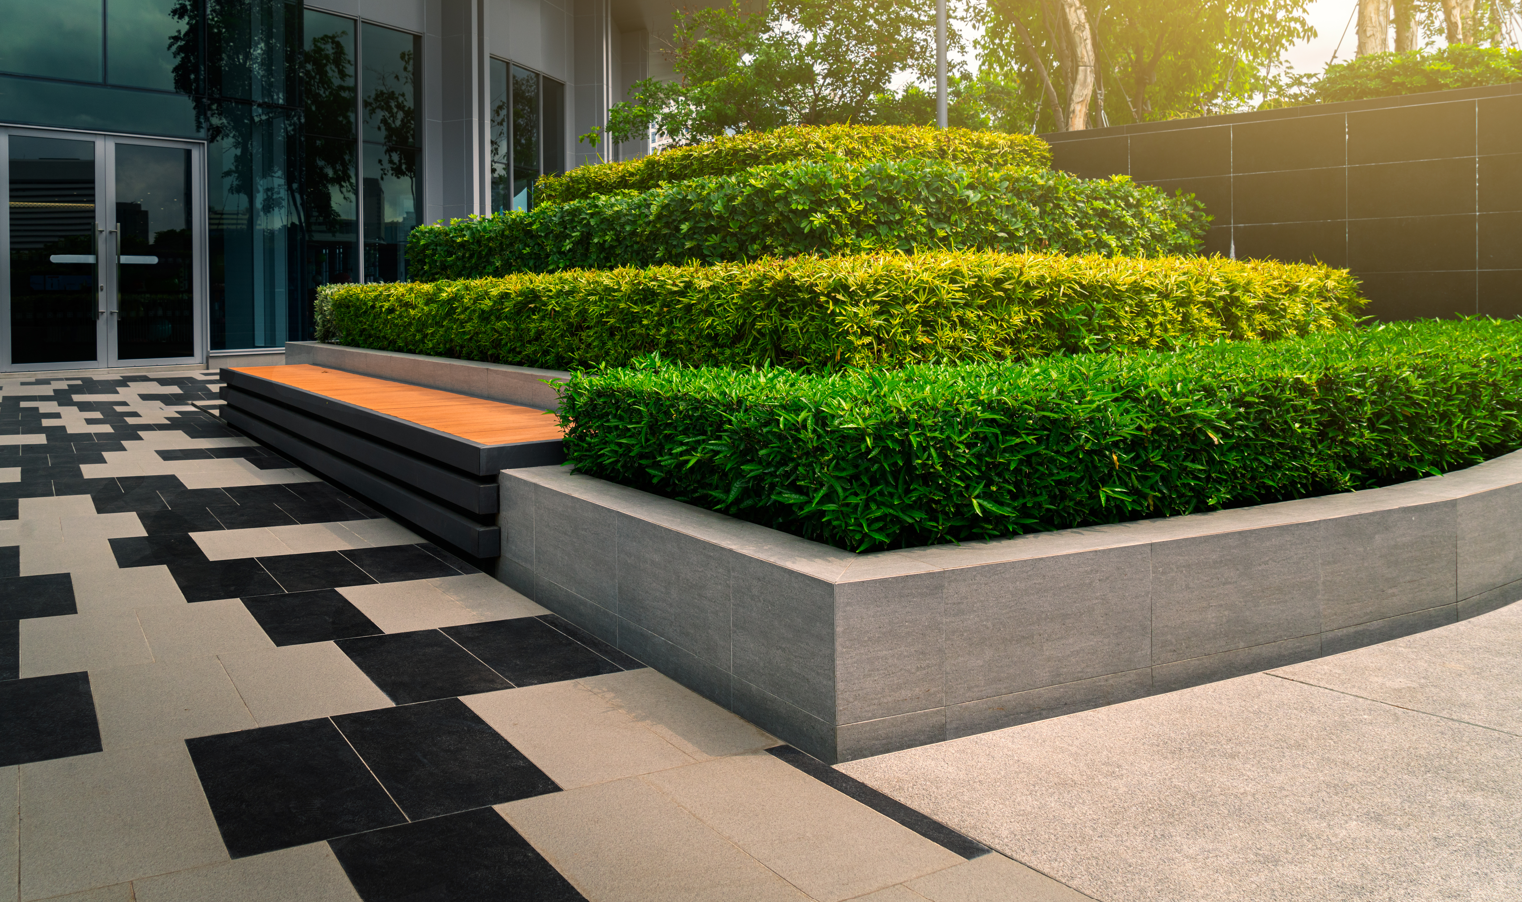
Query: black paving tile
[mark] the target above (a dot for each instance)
(450, 559)
(420, 666)
(182, 520)
(212, 580)
(24, 597)
(471, 855)
(276, 787)
(254, 494)
(591, 641)
(184, 454)
(320, 511)
(146, 551)
(10, 649)
(252, 515)
(439, 757)
(138, 500)
(75, 458)
(98, 446)
(528, 651)
(26, 488)
(271, 462)
(9, 510)
(244, 451)
(394, 563)
(47, 717)
(296, 618)
(10, 561)
(156, 483)
(315, 570)
(178, 498)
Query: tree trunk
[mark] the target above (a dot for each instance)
(1406, 37)
(1458, 16)
(1046, 82)
(1082, 48)
(1374, 26)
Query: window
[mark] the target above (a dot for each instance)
(527, 133)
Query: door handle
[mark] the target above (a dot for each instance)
(116, 255)
(100, 283)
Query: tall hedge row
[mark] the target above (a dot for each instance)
(821, 314)
(818, 208)
(732, 154)
(872, 459)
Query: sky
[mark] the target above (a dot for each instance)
(1329, 18)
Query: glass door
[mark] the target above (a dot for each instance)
(104, 261)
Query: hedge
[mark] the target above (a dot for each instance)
(820, 314)
(818, 208)
(877, 459)
(732, 154)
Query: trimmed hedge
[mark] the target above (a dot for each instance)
(873, 459)
(821, 314)
(818, 208)
(734, 153)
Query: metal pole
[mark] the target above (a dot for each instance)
(940, 63)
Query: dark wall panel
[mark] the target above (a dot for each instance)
(1300, 195)
(1419, 295)
(1092, 158)
(1314, 142)
(1500, 126)
(1501, 241)
(1421, 188)
(1501, 292)
(1428, 131)
(1501, 183)
(1188, 153)
(1214, 193)
(1411, 244)
(1295, 242)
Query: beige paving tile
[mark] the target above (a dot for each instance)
(487, 597)
(95, 820)
(626, 842)
(316, 537)
(9, 828)
(42, 529)
(121, 892)
(149, 704)
(993, 878)
(299, 682)
(822, 842)
(82, 642)
(112, 469)
(101, 591)
(415, 604)
(10, 474)
(280, 477)
(574, 736)
(180, 632)
(55, 506)
(382, 532)
(227, 544)
(900, 893)
(303, 874)
(69, 556)
(683, 718)
(10, 532)
(101, 526)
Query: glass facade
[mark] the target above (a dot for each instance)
(527, 133)
(390, 150)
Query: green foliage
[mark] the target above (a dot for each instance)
(1413, 72)
(818, 208)
(822, 314)
(736, 153)
(872, 459)
(322, 314)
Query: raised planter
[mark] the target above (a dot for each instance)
(847, 655)
(493, 381)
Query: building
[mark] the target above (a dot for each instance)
(183, 174)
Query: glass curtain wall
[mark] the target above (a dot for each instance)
(527, 133)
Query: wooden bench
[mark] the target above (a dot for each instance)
(430, 456)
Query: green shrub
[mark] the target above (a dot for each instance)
(873, 459)
(818, 208)
(828, 313)
(732, 154)
(1410, 72)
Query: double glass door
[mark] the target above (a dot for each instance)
(103, 251)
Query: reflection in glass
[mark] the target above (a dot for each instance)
(501, 135)
(52, 215)
(327, 75)
(331, 207)
(141, 39)
(155, 295)
(249, 48)
(553, 107)
(390, 87)
(390, 210)
(525, 136)
(51, 38)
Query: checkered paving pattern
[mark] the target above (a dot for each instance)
(223, 678)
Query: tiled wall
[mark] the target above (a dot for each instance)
(1420, 196)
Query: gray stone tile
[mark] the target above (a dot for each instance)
(708, 680)
(890, 651)
(517, 576)
(150, 704)
(1236, 590)
(1372, 633)
(515, 514)
(576, 547)
(1237, 662)
(309, 873)
(675, 587)
(1017, 708)
(784, 635)
(1027, 624)
(9, 833)
(595, 619)
(792, 725)
(1488, 551)
(1493, 600)
(1379, 565)
(889, 734)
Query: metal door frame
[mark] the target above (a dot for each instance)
(105, 198)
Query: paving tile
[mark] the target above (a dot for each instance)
(300, 682)
(182, 521)
(406, 606)
(317, 537)
(452, 560)
(10, 650)
(627, 842)
(102, 591)
(259, 494)
(207, 580)
(577, 737)
(82, 642)
(993, 878)
(322, 615)
(472, 855)
(320, 511)
(22, 597)
(56, 506)
(253, 515)
(101, 526)
(590, 641)
(318, 570)
(528, 651)
(103, 819)
(438, 758)
(144, 551)
(118, 892)
(92, 553)
(697, 726)
(309, 873)
(381, 531)
(47, 717)
(822, 842)
(488, 598)
(181, 632)
(183, 498)
(231, 544)
(399, 562)
(421, 666)
(149, 704)
(288, 785)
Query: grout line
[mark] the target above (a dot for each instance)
(241, 700)
(441, 632)
(371, 771)
(1467, 723)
